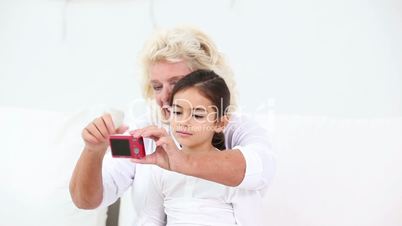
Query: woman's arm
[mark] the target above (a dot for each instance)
(86, 182)
(86, 185)
(225, 167)
(249, 164)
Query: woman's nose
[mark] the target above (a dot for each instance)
(165, 95)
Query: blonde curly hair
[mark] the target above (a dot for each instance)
(186, 44)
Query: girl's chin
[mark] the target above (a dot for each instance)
(185, 142)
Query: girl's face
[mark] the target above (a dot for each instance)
(193, 118)
(163, 77)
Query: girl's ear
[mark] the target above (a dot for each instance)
(221, 124)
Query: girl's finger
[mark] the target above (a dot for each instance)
(167, 144)
(136, 133)
(122, 129)
(148, 159)
(154, 132)
(161, 141)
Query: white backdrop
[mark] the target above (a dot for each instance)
(336, 58)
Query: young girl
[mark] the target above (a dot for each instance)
(199, 113)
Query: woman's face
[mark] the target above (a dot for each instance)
(163, 77)
(193, 118)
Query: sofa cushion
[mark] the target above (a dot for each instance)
(38, 152)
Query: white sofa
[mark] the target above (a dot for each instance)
(39, 150)
(331, 171)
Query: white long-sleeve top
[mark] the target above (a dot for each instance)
(241, 133)
(176, 199)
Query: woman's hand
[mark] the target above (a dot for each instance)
(166, 155)
(96, 134)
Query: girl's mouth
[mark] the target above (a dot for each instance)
(183, 133)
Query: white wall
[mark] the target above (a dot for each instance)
(338, 63)
(336, 58)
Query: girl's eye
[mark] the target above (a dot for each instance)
(177, 112)
(198, 116)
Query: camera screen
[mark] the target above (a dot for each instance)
(120, 147)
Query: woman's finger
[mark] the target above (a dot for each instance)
(101, 126)
(107, 119)
(87, 136)
(92, 129)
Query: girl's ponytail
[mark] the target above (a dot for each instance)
(218, 141)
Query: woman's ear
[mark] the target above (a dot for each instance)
(221, 124)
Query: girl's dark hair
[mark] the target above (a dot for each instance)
(212, 87)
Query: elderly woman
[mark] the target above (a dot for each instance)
(247, 163)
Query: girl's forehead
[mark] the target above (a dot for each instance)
(192, 99)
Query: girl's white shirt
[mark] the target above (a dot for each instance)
(243, 203)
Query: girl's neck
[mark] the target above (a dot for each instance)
(202, 148)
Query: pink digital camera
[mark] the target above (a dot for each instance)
(126, 146)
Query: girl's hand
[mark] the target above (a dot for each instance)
(166, 155)
(96, 134)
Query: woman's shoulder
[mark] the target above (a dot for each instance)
(241, 121)
(241, 127)
(136, 116)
